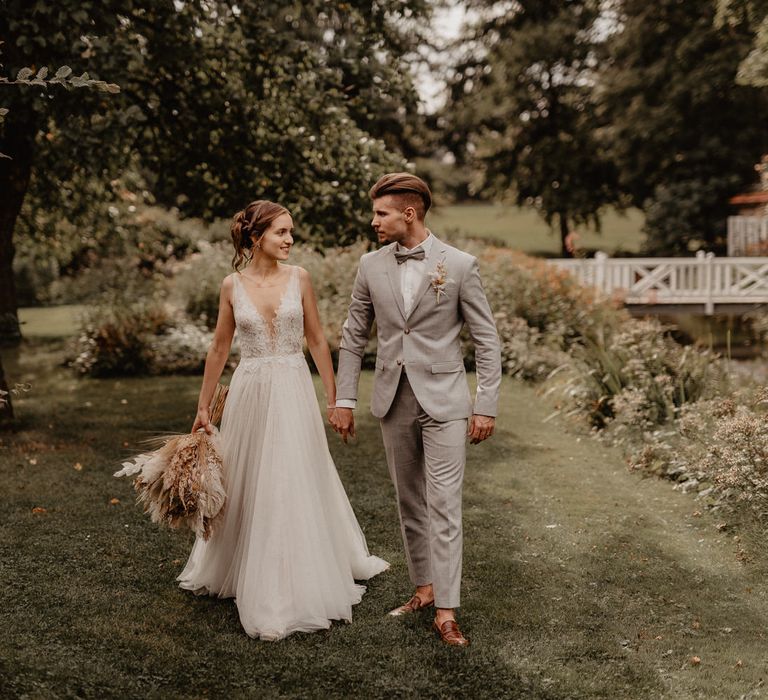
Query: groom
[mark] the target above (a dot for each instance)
(421, 292)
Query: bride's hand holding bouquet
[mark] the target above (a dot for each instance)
(202, 420)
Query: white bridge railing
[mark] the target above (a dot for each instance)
(704, 280)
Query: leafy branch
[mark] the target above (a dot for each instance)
(63, 76)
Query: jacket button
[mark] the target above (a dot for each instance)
(407, 331)
(399, 362)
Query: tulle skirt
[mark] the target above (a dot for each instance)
(288, 547)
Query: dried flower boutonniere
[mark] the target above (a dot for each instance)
(439, 279)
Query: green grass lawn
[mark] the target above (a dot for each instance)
(524, 230)
(581, 580)
(50, 321)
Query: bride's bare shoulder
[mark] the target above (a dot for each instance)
(228, 283)
(300, 271)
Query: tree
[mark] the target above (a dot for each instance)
(220, 104)
(6, 407)
(683, 134)
(754, 68)
(521, 107)
(27, 77)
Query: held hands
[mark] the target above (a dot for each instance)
(202, 420)
(480, 428)
(343, 422)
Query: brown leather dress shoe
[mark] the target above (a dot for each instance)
(412, 605)
(450, 633)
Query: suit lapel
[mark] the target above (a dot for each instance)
(394, 279)
(436, 254)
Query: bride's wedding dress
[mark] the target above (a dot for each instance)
(289, 547)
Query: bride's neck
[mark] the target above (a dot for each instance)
(263, 266)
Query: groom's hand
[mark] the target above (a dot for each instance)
(344, 423)
(480, 428)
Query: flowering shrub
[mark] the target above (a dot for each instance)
(616, 369)
(333, 276)
(737, 455)
(549, 299)
(726, 440)
(181, 349)
(113, 338)
(196, 285)
(717, 446)
(637, 376)
(123, 337)
(526, 352)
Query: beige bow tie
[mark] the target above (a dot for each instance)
(416, 254)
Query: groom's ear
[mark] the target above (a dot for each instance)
(409, 214)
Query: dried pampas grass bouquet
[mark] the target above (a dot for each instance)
(181, 483)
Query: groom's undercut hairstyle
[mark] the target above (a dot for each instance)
(412, 191)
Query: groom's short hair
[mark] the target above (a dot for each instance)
(414, 191)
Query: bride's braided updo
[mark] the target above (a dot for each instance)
(249, 224)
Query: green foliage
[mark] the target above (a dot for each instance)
(571, 106)
(113, 230)
(333, 276)
(615, 371)
(637, 377)
(197, 283)
(123, 337)
(522, 104)
(683, 134)
(113, 339)
(63, 76)
(219, 104)
(754, 68)
(228, 104)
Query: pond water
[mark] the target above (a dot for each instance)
(735, 335)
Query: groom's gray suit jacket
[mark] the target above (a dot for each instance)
(425, 343)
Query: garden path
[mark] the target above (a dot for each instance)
(617, 585)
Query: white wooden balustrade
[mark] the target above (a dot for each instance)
(704, 280)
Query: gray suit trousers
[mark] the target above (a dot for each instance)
(426, 461)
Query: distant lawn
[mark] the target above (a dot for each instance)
(50, 321)
(525, 230)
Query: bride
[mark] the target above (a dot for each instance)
(288, 547)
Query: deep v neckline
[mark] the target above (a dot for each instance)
(270, 324)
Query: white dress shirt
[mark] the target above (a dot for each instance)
(411, 274)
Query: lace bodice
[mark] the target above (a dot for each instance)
(260, 338)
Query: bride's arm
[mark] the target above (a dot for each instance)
(218, 352)
(316, 342)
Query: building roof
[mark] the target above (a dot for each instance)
(750, 198)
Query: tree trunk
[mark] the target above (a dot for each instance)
(6, 407)
(15, 171)
(566, 246)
